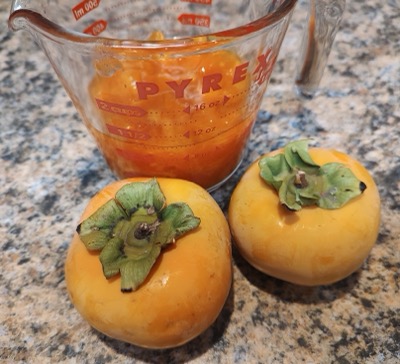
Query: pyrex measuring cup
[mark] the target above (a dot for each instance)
(172, 88)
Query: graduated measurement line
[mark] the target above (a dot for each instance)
(146, 12)
(119, 4)
(129, 15)
(199, 2)
(161, 147)
(125, 3)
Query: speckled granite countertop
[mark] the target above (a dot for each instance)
(50, 167)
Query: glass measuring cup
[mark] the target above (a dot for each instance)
(172, 88)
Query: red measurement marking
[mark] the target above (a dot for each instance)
(265, 65)
(133, 156)
(197, 107)
(199, 132)
(84, 7)
(226, 99)
(96, 28)
(127, 133)
(120, 109)
(202, 2)
(194, 19)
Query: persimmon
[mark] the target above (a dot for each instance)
(150, 263)
(306, 216)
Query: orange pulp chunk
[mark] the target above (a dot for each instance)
(187, 117)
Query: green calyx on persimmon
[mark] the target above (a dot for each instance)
(311, 246)
(301, 182)
(132, 229)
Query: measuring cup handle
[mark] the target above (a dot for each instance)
(323, 23)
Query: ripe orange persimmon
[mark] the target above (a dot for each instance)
(185, 289)
(306, 245)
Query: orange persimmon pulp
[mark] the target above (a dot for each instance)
(185, 290)
(185, 117)
(312, 246)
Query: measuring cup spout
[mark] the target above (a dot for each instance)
(42, 24)
(322, 25)
(36, 24)
(18, 20)
(25, 14)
